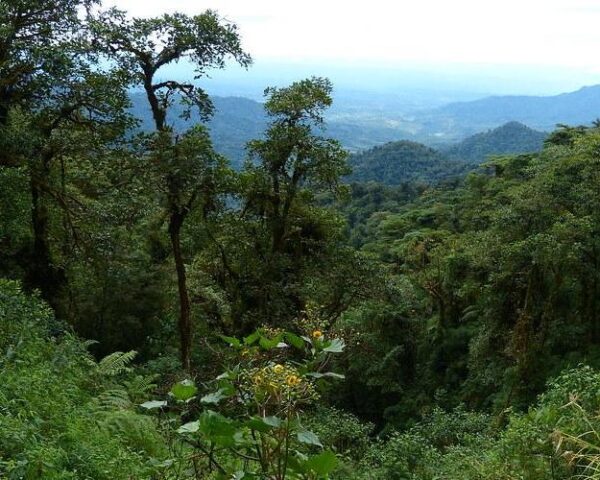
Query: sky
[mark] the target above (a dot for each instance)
(510, 44)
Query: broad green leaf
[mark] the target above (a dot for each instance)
(272, 421)
(257, 423)
(184, 390)
(190, 427)
(323, 464)
(152, 404)
(336, 346)
(217, 428)
(214, 397)
(308, 437)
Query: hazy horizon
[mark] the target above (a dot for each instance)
(466, 47)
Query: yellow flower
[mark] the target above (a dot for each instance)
(317, 334)
(278, 368)
(292, 380)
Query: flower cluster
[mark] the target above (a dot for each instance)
(317, 335)
(278, 382)
(311, 323)
(270, 332)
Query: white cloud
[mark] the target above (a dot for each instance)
(526, 32)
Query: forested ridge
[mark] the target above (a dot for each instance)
(404, 161)
(164, 315)
(510, 138)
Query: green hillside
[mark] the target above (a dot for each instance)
(404, 161)
(510, 138)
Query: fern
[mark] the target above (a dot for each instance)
(115, 363)
(137, 431)
(114, 399)
(139, 386)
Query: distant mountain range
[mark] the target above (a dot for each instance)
(238, 120)
(542, 113)
(399, 162)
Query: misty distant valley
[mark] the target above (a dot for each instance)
(361, 121)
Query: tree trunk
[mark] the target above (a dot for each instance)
(43, 273)
(176, 218)
(3, 113)
(159, 115)
(185, 322)
(6, 156)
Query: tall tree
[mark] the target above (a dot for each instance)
(82, 115)
(272, 245)
(52, 84)
(292, 157)
(143, 47)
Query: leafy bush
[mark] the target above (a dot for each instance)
(340, 431)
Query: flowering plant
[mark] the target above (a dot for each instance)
(249, 425)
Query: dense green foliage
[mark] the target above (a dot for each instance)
(259, 432)
(164, 315)
(401, 162)
(510, 138)
(62, 415)
(503, 273)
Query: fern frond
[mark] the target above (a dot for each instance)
(114, 399)
(139, 386)
(115, 363)
(88, 343)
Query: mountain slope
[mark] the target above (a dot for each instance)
(404, 161)
(579, 107)
(510, 138)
